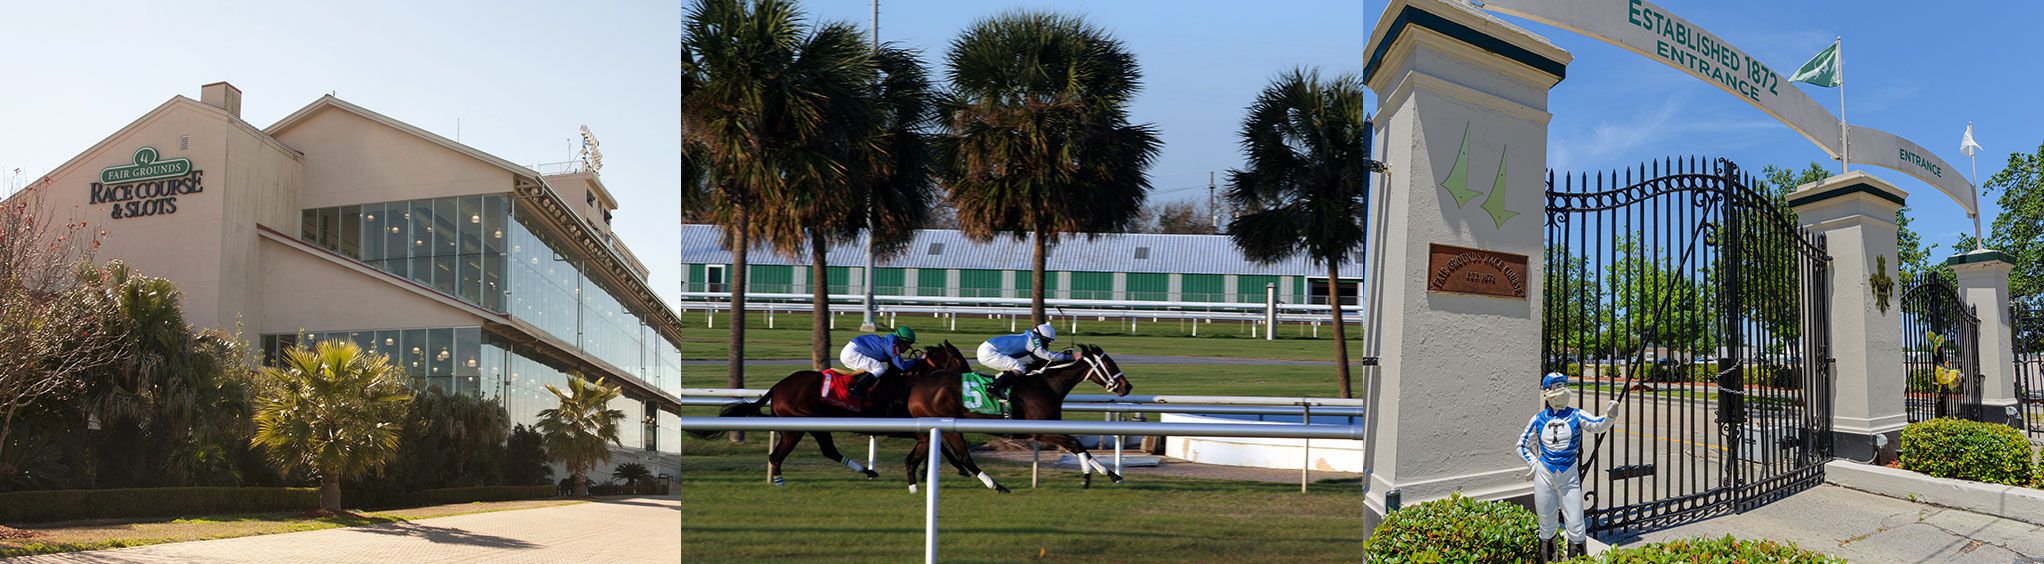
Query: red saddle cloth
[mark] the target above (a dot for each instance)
(837, 390)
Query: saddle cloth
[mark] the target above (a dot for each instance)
(837, 390)
(978, 392)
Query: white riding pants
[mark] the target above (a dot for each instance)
(860, 362)
(1559, 494)
(992, 358)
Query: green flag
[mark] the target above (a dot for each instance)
(1822, 70)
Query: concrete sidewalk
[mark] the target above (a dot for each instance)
(1864, 527)
(611, 530)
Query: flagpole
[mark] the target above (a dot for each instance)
(1844, 131)
(1974, 163)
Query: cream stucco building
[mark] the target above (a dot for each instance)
(476, 274)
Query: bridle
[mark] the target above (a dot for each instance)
(1099, 373)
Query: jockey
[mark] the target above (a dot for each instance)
(872, 356)
(1015, 354)
(1551, 447)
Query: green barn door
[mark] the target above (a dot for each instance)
(1149, 286)
(1092, 285)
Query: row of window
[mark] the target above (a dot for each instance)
(465, 360)
(480, 249)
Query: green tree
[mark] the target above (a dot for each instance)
(334, 411)
(525, 458)
(631, 473)
(1038, 142)
(575, 432)
(2019, 229)
(759, 94)
(1301, 189)
(887, 177)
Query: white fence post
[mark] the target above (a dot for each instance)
(1306, 447)
(872, 444)
(1035, 459)
(930, 503)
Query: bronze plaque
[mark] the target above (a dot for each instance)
(1474, 271)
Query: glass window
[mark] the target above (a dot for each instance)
(422, 239)
(413, 343)
(493, 287)
(330, 228)
(350, 232)
(467, 367)
(308, 226)
(372, 235)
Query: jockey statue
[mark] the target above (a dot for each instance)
(872, 356)
(1555, 436)
(1016, 354)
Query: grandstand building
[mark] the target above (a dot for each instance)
(1138, 269)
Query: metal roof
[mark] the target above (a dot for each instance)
(1107, 252)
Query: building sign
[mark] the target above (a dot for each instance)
(1651, 31)
(147, 187)
(1464, 270)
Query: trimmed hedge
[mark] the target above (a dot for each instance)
(444, 496)
(656, 488)
(37, 506)
(1949, 447)
(1458, 529)
(1724, 549)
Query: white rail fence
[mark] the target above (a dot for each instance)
(1260, 316)
(935, 426)
(1113, 407)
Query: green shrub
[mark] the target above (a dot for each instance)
(1948, 447)
(649, 488)
(37, 506)
(1725, 549)
(445, 496)
(1458, 529)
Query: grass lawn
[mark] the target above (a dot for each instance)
(729, 513)
(97, 534)
(790, 337)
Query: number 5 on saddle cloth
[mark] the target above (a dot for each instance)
(977, 394)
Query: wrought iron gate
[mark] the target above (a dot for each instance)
(2026, 328)
(1940, 352)
(1699, 302)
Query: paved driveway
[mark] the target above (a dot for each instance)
(1864, 527)
(615, 530)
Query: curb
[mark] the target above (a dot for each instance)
(2007, 502)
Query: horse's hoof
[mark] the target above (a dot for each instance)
(1115, 477)
(1086, 485)
(911, 488)
(1003, 489)
(780, 483)
(871, 474)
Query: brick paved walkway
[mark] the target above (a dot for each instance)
(613, 530)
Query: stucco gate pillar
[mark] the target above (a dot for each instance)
(1455, 251)
(1984, 284)
(1855, 211)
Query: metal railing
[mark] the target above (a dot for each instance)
(1114, 406)
(935, 426)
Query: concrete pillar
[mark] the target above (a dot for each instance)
(1856, 214)
(1984, 284)
(1442, 421)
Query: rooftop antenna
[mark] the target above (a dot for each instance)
(1213, 207)
(591, 155)
(457, 129)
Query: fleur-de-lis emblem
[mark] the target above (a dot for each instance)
(1882, 285)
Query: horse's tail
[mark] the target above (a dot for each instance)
(754, 408)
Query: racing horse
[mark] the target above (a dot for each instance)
(1039, 395)
(801, 395)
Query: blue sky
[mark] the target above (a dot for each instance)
(1919, 70)
(519, 76)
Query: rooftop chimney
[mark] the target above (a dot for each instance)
(222, 95)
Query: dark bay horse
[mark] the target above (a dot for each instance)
(801, 395)
(1037, 396)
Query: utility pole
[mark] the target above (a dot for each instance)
(866, 323)
(1213, 207)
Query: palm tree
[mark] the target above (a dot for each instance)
(631, 473)
(1039, 143)
(1302, 190)
(575, 432)
(335, 411)
(763, 103)
(888, 173)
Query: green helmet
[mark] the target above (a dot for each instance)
(906, 335)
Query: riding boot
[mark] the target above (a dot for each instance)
(1001, 383)
(1577, 549)
(1547, 552)
(863, 385)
